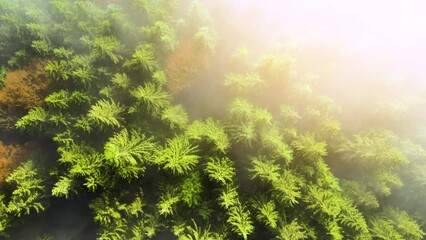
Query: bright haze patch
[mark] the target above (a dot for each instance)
(394, 30)
(369, 55)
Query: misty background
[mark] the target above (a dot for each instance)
(367, 55)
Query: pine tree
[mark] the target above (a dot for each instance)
(5, 221)
(62, 187)
(178, 156)
(107, 46)
(309, 147)
(292, 231)
(210, 130)
(129, 148)
(205, 39)
(220, 170)
(142, 59)
(240, 82)
(175, 116)
(241, 223)
(267, 212)
(197, 233)
(35, 119)
(58, 99)
(152, 97)
(266, 170)
(106, 113)
(29, 191)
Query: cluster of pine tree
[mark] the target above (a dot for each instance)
(262, 171)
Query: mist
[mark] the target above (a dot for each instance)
(365, 54)
(242, 119)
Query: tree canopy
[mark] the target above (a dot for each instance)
(117, 135)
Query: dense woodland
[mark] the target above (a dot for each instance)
(94, 110)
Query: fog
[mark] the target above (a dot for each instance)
(391, 31)
(368, 56)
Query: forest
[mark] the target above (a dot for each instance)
(141, 119)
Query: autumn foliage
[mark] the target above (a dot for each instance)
(183, 64)
(24, 89)
(11, 155)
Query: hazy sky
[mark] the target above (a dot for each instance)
(390, 29)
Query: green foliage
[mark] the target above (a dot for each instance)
(292, 231)
(192, 190)
(126, 148)
(62, 187)
(289, 114)
(29, 191)
(159, 77)
(241, 109)
(106, 113)
(197, 233)
(142, 59)
(278, 164)
(272, 141)
(147, 227)
(210, 130)
(121, 80)
(228, 197)
(62, 99)
(4, 220)
(175, 116)
(266, 170)
(323, 202)
(107, 47)
(241, 82)
(262, 117)
(383, 181)
(274, 68)
(58, 70)
(157, 10)
(395, 224)
(353, 219)
(63, 53)
(83, 75)
(246, 121)
(220, 170)
(42, 47)
(178, 156)
(374, 150)
(83, 124)
(287, 188)
(162, 33)
(329, 127)
(301, 92)
(86, 164)
(240, 221)
(58, 99)
(324, 177)
(108, 215)
(205, 39)
(35, 119)
(123, 216)
(267, 213)
(153, 97)
(3, 72)
(18, 60)
(168, 200)
(309, 147)
(243, 133)
(383, 229)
